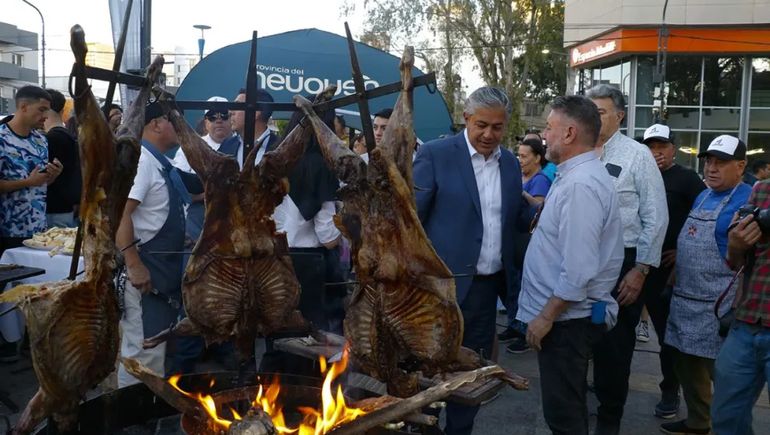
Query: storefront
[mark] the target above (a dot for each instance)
(717, 82)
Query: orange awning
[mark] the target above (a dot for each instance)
(681, 40)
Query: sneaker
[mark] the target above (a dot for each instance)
(643, 331)
(508, 335)
(667, 407)
(680, 428)
(9, 352)
(518, 345)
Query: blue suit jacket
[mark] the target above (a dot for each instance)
(450, 211)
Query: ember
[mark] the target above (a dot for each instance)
(334, 410)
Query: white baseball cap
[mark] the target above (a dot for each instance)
(214, 98)
(726, 147)
(658, 132)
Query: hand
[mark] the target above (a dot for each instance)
(537, 329)
(630, 287)
(53, 170)
(37, 178)
(139, 276)
(668, 258)
(744, 235)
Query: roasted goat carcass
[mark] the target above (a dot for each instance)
(404, 316)
(73, 325)
(239, 281)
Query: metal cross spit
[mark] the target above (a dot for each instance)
(361, 97)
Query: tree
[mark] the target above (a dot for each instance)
(505, 40)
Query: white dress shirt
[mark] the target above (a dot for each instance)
(641, 195)
(305, 234)
(487, 171)
(260, 152)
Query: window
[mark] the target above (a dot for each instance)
(17, 59)
(760, 82)
(722, 79)
(683, 80)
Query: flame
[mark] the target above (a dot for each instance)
(206, 400)
(334, 410)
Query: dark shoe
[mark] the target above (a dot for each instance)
(9, 352)
(680, 428)
(508, 335)
(518, 345)
(667, 407)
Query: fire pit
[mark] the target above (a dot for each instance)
(136, 410)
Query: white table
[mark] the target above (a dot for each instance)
(56, 268)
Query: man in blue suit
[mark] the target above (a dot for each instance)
(468, 191)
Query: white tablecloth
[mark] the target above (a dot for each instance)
(56, 268)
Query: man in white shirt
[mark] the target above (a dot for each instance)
(468, 196)
(218, 129)
(154, 215)
(644, 214)
(262, 134)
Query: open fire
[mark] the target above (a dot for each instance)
(333, 413)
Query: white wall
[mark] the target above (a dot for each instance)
(586, 18)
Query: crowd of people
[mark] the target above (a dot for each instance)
(578, 233)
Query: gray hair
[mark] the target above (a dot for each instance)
(488, 97)
(607, 91)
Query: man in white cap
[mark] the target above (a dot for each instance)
(682, 187)
(218, 129)
(702, 274)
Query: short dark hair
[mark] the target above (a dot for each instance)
(384, 113)
(262, 95)
(537, 148)
(758, 165)
(582, 110)
(31, 92)
(152, 111)
(115, 106)
(57, 100)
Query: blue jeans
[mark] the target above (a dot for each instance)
(742, 369)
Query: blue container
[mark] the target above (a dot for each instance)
(598, 312)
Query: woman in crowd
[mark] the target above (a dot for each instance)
(535, 182)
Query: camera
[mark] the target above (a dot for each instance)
(761, 216)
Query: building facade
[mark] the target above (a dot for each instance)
(18, 63)
(706, 72)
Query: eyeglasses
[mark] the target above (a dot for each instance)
(214, 116)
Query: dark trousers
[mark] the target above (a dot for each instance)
(657, 299)
(563, 363)
(479, 313)
(612, 359)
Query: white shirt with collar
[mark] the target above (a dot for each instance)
(260, 153)
(180, 159)
(150, 190)
(301, 233)
(487, 171)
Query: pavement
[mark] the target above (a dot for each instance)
(512, 413)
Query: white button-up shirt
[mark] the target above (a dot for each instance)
(260, 151)
(487, 171)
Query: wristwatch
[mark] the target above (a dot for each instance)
(644, 269)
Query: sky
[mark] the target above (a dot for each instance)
(231, 21)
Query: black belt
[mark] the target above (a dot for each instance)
(491, 277)
(319, 250)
